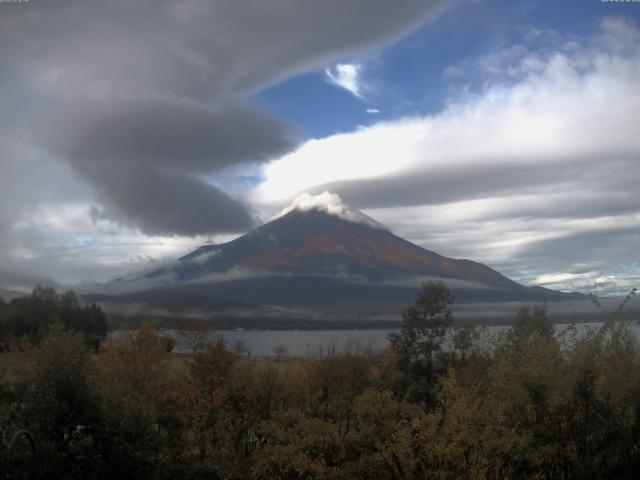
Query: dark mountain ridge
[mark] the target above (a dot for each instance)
(314, 242)
(319, 261)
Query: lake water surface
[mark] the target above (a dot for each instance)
(301, 342)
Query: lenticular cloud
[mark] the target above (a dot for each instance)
(331, 204)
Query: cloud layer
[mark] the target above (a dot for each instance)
(535, 173)
(159, 83)
(132, 107)
(144, 158)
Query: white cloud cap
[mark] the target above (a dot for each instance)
(331, 204)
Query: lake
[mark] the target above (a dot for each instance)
(301, 342)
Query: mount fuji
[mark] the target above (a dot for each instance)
(318, 255)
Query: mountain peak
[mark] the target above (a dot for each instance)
(320, 251)
(331, 204)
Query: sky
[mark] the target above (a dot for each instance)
(505, 132)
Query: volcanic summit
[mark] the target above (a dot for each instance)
(319, 253)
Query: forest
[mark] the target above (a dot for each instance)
(441, 402)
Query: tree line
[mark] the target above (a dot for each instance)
(439, 403)
(29, 318)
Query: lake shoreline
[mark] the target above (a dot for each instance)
(263, 342)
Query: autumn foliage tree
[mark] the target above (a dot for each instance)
(419, 345)
(441, 402)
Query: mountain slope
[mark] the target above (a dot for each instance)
(314, 242)
(314, 257)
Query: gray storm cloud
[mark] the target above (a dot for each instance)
(146, 197)
(144, 99)
(144, 157)
(193, 48)
(167, 135)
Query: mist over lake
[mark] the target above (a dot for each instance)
(303, 342)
